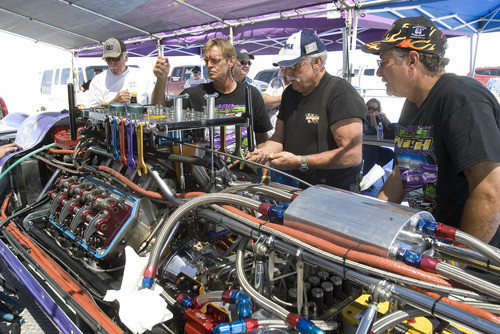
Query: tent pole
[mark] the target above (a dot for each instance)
(473, 57)
(346, 46)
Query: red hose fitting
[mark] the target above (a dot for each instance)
(428, 264)
(446, 232)
(292, 319)
(150, 271)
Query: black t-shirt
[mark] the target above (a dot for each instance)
(233, 102)
(456, 127)
(301, 117)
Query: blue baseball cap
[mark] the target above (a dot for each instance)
(299, 45)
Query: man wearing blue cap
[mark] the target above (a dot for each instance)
(319, 130)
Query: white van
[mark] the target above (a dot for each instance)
(54, 86)
(54, 89)
(365, 76)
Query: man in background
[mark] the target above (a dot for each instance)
(195, 79)
(86, 85)
(119, 80)
(242, 67)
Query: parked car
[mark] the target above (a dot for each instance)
(484, 74)
(365, 77)
(3, 108)
(267, 75)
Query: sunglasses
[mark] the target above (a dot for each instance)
(114, 60)
(372, 108)
(214, 59)
(245, 62)
(195, 72)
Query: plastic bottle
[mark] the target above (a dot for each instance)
(380, 131)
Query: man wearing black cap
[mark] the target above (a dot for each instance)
(242, 67)
(119, 80)
(195, 79)
(447, 152)
(319, 130)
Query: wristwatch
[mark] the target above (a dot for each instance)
(303, 164)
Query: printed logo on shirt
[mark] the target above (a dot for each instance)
(417, 165)
(230, 109)
(312, 118)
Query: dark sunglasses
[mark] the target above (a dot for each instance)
(114, 60)
(372, 108)
(245, 62)
(194, 72)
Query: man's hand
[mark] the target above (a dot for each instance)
(122, 96)
(162, 68)
(285, 160)
(257, 156)
(9, 148)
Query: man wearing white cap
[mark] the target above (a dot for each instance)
(320, 124)
(116, 83)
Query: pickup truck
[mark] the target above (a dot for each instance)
(178, 77)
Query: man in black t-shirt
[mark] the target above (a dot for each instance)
(220, 57)
(447, 151)
(319, 129)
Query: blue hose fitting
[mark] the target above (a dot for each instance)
(305, 326)
(235, 327)
(243, 304)
(147, 282)
(409, 257)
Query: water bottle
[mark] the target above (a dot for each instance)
(380, 131)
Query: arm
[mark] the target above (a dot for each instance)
(161, 69)
(392, 190)
(348, 134)
(271, 101)
(481, 216)
(9, 148)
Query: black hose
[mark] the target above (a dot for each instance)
(26, 209)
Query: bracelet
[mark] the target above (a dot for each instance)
(266, 177)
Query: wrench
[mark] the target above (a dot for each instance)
(123, 157)
(107, 129)
(116, 156)
(140, 153)
(130, 132)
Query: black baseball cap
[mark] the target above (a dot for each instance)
(242, 53)
(417, 33)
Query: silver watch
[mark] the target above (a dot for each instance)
(303, 164)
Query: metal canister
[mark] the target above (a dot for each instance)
(135, 110)
(117, 109)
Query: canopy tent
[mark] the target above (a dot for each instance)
(260, 25)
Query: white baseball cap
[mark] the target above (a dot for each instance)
(299, 45)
